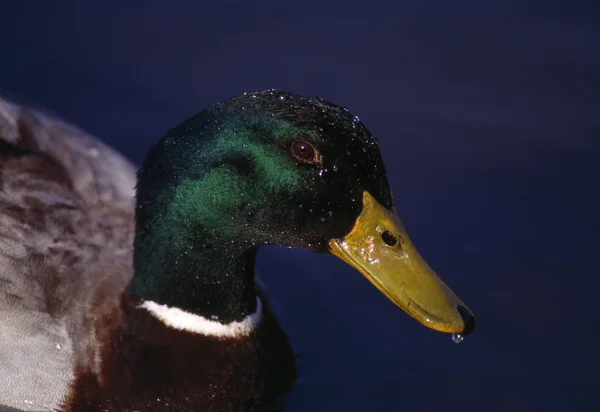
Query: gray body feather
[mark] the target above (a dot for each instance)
(66, 232)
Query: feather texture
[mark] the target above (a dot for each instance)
(66, 230)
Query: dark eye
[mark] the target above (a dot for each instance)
(305, 152)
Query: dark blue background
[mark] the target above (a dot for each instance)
(487, 115)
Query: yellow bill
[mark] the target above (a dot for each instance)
(379, 248)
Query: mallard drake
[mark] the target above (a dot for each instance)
(106, 311)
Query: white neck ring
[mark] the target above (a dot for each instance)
(179, 319)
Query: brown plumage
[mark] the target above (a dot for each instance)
(184, 372)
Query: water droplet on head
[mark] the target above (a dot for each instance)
(335, 168)
(457, 337)
(356, 119)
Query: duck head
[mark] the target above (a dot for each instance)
(274, 168)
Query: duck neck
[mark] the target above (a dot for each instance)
(194, 272)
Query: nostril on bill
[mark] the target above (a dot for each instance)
(389, 238)
(468, 319)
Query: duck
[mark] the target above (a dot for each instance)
(134, 290)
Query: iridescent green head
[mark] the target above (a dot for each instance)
(262, 168)
(238, 170)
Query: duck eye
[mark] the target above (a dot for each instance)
(305, 152)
